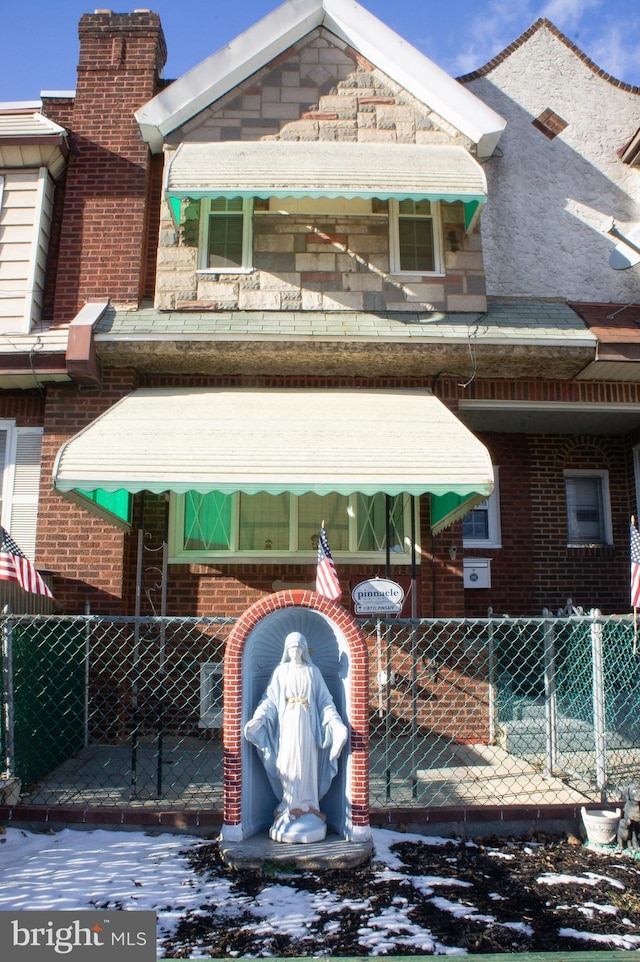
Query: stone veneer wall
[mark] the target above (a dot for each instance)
(320, 90)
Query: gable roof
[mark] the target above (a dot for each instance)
(285, 26)
(540, 24)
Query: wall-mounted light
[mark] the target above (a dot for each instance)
(453, 552)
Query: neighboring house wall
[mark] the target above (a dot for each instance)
(26, 203)
(552, 200)
(328, 256)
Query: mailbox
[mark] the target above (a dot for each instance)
(477, 572)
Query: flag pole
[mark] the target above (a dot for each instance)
(635, 608)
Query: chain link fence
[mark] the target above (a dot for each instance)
(128, 712)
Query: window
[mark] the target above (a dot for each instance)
(226, 234)
(415, 237)
(276, 527)
(481, 525)
(20, 455)
(588, 509)
(211, 694)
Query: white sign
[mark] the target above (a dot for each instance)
(378, 596)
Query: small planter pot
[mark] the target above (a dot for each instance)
(601, 825)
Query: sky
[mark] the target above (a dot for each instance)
(108, 870)
(39, 42)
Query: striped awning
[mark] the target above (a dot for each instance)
(318, 169)
(281, 440)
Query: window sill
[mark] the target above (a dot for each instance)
(275, 558)
(472, 545)
(208, 271)
(589, 546)
(412, 275)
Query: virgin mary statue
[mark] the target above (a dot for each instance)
(300, 735)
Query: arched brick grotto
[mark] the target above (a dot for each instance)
(338, 647)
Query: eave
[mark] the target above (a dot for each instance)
(510, 340)
(53, 354)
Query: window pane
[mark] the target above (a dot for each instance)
(313, 509)
(475, 524)
(207, 521)
(585, 515)
(225, 204)
(371, 517)
(264, 522)
(225, 240)
(415, 207)
(416, 244)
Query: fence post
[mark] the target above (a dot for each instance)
(550, 696)
(493, 699)
(7, 694)
(599, 716)
(87, 667)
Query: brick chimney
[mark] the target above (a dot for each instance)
(104, 235)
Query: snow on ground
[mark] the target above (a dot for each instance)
(133, 871)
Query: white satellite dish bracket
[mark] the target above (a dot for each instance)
(626, 254)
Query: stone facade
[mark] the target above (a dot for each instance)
(336, 258)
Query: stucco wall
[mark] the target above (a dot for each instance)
(551, 201)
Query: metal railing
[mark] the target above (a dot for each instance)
(100, 711)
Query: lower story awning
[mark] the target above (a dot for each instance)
(279, 440)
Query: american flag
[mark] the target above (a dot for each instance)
(635, 566)
(327, 583)
(15, 566)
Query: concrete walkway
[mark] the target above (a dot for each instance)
(187, 773)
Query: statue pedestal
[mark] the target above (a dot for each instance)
(259, 851)
(306, 828)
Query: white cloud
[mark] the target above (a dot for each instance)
(617, 50)
(568, 14)
(497, 26)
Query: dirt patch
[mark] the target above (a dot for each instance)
(496, 895)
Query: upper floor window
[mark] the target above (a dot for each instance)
(481, 525)
(588, 508)
(241, 527)
(226, 226)
(415, 237)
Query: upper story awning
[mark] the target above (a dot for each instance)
(318, 169)
(280, 440)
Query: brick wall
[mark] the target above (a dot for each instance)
(533, 569)
(85, 554)
(104, 237)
